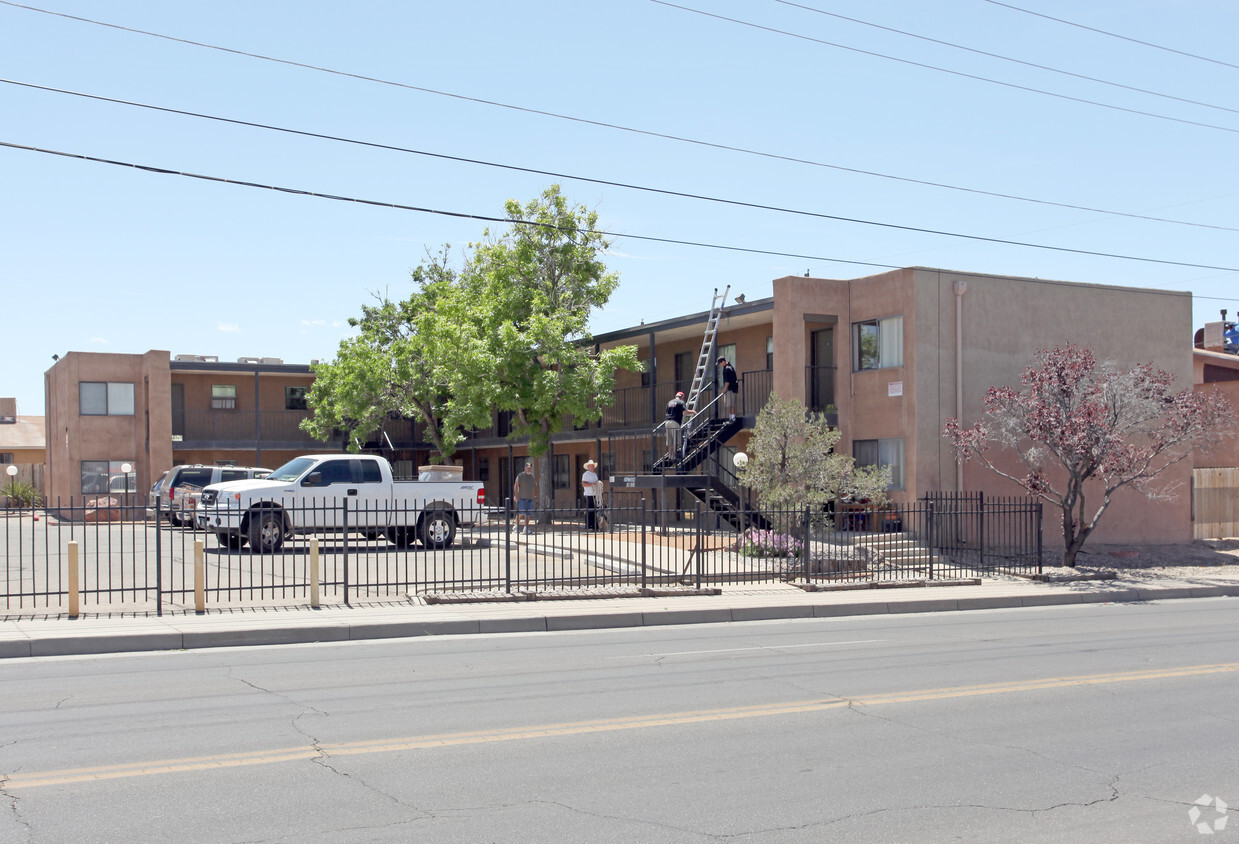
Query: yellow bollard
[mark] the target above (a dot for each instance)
(199, 577)
(314, 572)
(74, 595)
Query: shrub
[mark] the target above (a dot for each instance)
(22, 493)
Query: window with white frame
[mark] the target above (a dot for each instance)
(885, 452)
(223, 396)
(877, 343)
(104, 398)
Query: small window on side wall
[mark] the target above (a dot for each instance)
(877, 343)
(294, 398)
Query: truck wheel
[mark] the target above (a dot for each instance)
(438, 529)
(231, 541)
(266, 531)
(401, 537)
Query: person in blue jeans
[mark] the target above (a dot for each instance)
(526, 492)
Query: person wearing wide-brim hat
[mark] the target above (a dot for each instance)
(593, 489)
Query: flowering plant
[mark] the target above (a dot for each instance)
(768, 543)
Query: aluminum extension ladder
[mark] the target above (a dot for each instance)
(704, 364)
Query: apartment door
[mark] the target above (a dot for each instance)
(684, 369)
(821, 368)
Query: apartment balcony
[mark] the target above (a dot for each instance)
(270, 429)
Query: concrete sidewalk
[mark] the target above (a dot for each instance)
(92, 634)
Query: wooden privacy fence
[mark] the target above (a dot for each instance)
(1215, 503)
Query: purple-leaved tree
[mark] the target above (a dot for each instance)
(1078, 421)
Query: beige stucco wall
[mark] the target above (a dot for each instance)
(143, 437)
(1004, 321)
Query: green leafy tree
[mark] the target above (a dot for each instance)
(792, 464)
(508, 332)
(535, 287)
(418, 359)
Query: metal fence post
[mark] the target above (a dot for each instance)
(981, 525)
(929, 521)
(805, 550)
(314, 573)
(159, 555)
(507, 545)
(1040, 528)
(697, 547)
(644, 568)
(345, 521)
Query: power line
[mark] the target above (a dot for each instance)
(601, 124)
(1115, 35)
(553, 174)
(937, 69)
(1007, 58)
(649, 238)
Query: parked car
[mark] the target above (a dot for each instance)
(314, 493)
(176, 487)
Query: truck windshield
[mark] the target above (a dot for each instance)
(292, 470)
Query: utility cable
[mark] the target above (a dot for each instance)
(1115, 35)
(552, 174)
(975, 51)
(463, 215)
(937, 69)
(588, 122)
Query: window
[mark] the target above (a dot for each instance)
(561, 472)
(99, 398)
(223, 396)
(647, 371)
(370, 472)
(878, 343)
(100, 477)
(6, 457)
(227, 475)
(881, 453)
(294, 398)
(770, 353)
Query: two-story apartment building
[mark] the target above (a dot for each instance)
(891, 357)
(152, 411)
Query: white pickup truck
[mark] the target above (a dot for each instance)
(311, 494)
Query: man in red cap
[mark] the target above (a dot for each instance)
(676, 411)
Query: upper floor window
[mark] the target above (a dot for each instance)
(100, 398)
(223, 396)
(6, 457)
(294, 398)
(877, 343)
(770, 353)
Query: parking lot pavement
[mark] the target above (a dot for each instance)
(236, 625)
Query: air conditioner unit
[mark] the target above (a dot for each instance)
(249, 360)
(273, 360)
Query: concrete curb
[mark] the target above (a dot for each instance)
(131, 635)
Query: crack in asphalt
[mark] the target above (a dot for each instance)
(322, 758)
(15, 807)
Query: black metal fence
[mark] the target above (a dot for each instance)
(129, 558)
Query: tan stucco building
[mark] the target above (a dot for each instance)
(890, 357)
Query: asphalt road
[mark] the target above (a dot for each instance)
(1090, 722)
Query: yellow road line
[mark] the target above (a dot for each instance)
(637, 722)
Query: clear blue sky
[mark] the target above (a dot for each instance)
(95, 257)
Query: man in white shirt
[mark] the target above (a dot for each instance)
(593, 490)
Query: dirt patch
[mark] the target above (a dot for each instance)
(1202, 557)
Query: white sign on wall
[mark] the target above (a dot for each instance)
(894, 388)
